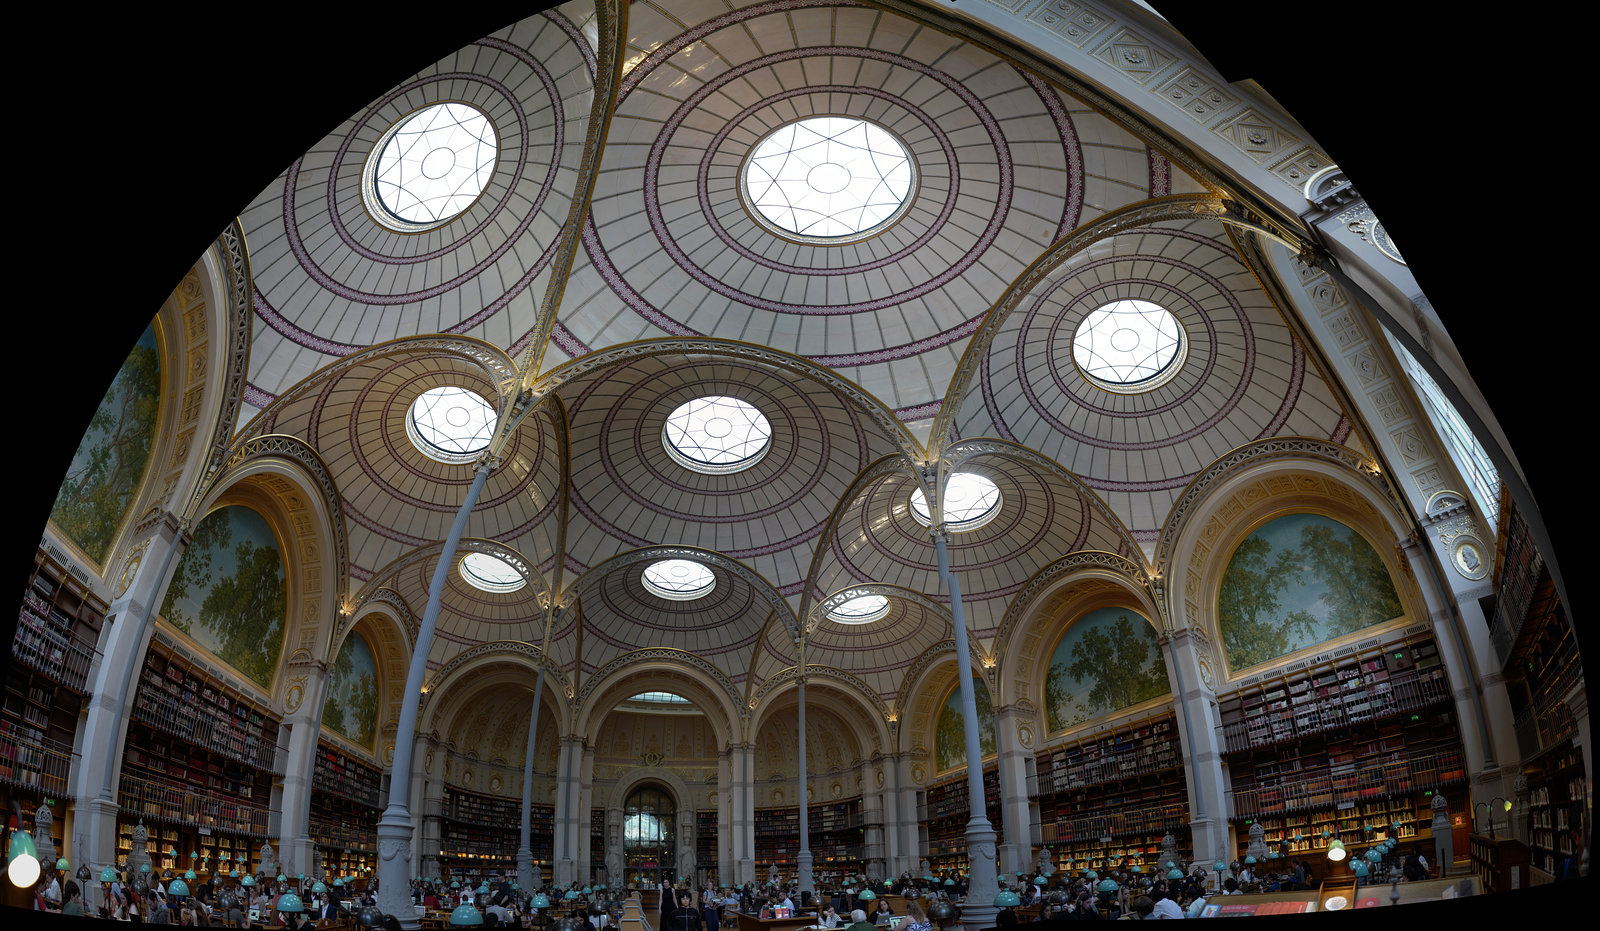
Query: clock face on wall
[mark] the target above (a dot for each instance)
(1205, 674)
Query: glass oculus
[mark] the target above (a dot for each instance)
(828, 179)
(716, 435)
(491, 573)
(970, 501)
(450, 424)
(1129, 345)
(429, 167)
(862, 609)
(679, 579)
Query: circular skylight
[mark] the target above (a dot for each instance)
(429, 167)
(661, 697)
(970, 501)
(491, 573)
(1129, 345)
(716, 435)
(862, 609)
(828, 179)
(679, 579)
(450, 424)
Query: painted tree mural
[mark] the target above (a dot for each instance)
(229, 592)
(1297, 581)
(111, 458)
(1106, 661)
(352, 705)
(950, 741)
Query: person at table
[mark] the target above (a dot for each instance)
(859, 922)
(828, 917)
(883, 914)
(785, 902)
(430, 900)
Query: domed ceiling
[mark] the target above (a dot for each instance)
(614, 264)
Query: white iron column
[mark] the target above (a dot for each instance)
(1009, 723)
(743, 816)
(872, 823)
(979, 912)
(906, 820)
(430, 840)
(725, 858)
(129, 624)
(525, 839)
(585, 814)
(803, 859)
(395, 827)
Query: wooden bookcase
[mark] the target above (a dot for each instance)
(1345, 744)
(946, 813)
(1500, 863)
(1557, 803)
(480, 835)
(705, 843)
(597, 845)
(1107, 799)
(197, 765)
(58, 625)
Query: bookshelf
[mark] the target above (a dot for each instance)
(1557, 803)
(837, 839)
(340, 774)
(197, 765)
(480, 834)
(946, 813)
(58, 625)
(705, 841)
(597, 845)
(1345, 744)
(1501, 864)
(1107, 799)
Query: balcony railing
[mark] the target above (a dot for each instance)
(1396, 773)
(1092, 826)
(1336, 712)
(34, 762)
(204, 727)
(42, 647)
(175, 802)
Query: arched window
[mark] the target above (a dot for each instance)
(647, 836)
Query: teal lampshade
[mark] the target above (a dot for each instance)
(455, 884)
(1373, 856)
(282, 878)
(1360, 869)
(289, 902)
(1137, 868)
(1175, 873)
(465, 916)
(1220, 866)
(1040, 881)
(515, 887)
(1108, 885)
(949, 882)
(868, 895)
(1007, 899)
(539, 901)
(189, 875)
(194, 854)
(319, 888)
(143, 867)
(178, 887)
(233, 874)
(63, 865)
(572, 894)
(336, 883)
(587, 890)
(108, 875)
(1090, 875)
(1249, 861)
(248, 880)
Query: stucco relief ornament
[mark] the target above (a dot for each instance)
(130, 571)
(295, 695)
(390, 848)
(1205, 674)
(1025, 736)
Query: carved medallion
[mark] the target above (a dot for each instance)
(1025, 736)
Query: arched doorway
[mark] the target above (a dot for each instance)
(648, 818)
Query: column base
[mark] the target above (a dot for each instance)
(804, 861)
(1014, 858)
(982, 884)
(394, 867)
(746, 871)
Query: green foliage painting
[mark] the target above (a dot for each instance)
(1106, 661)
(229, 592)
(1296, 582)
(111, 458)
(352, 706)
(950, 742)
